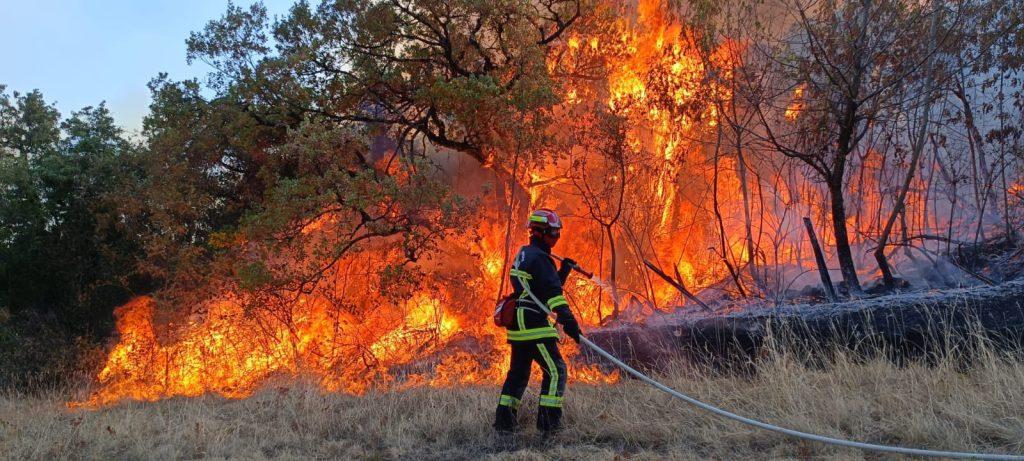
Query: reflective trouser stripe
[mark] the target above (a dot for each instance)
(532, 333)
(552, 371)
(551, 401)
(508, 401)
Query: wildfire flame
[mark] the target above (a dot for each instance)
(795, 107)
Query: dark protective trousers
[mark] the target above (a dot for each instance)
(552, 387)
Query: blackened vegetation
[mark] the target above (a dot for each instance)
(909, 327)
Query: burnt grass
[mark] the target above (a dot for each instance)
(917, 327)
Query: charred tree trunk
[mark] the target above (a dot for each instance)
(677, 283)
(843, 252)
(849, 123)
(819, 259)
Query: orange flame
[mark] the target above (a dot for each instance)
(795, 107)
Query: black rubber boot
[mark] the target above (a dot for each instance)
(549, 420)
(505, 419)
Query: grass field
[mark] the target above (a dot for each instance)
(943, 406)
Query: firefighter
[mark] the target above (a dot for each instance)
(533, 337)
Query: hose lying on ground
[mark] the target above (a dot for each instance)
(783, 430)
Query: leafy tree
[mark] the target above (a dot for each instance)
(328, 201)
(203, 159)
(849, 61)
(65, 255)
(29, 129)
(456, 73)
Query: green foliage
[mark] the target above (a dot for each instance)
(459, 73)
(252, 275)
(65, 255)
(28, 126)
(326, 199)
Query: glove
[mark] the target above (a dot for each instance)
(565, 269)
(567, 265)
(569, 324)
(572, 330)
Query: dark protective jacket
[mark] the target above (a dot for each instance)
(533, 268)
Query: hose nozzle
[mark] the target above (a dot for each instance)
(575, 267)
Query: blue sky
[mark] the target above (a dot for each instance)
(81, 52)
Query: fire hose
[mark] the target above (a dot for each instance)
(763, 425)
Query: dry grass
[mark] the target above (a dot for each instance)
(940, 407)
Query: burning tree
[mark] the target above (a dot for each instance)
(847, 64)
(853, 100)
(602, 188)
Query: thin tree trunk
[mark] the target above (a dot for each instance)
(906, 235)
(915, 157)
(843, 252)
(512, 205)
(600, 271)
(726, 249)
(747, 221)
(677, 283)
(819, 259)
(979, 169)
(613, 272)
(1002, 169)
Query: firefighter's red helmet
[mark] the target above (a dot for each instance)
(544, 219)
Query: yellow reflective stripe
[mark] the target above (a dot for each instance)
(551, 401)
(557, 301)
(520, 274)
(526, 288)
(508, 401)
(552, 370)
(536, 218)
(533, 333)
(520, 319)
